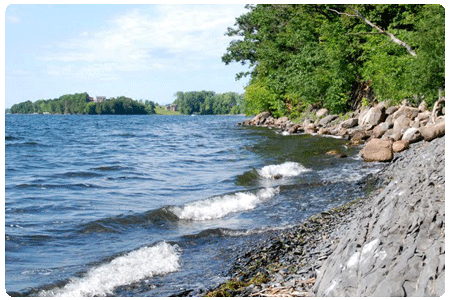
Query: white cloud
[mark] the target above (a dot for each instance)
(179, 37)
(13, 19)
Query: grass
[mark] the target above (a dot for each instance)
(162, 111)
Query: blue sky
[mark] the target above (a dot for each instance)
(141, 51)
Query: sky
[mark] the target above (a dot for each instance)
(144, 52)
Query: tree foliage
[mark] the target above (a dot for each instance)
(208, 103)
(80, 104)
(300, 55)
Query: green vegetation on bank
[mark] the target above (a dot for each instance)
(208, 103)
(338, 56)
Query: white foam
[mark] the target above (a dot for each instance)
(218, 207)
(287, 169)
(132, 267)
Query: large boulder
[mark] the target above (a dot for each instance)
(390, 110)
(281, 121)
(372, 117)
(378, 150)
(431, 132)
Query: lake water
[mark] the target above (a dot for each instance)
(154, 205)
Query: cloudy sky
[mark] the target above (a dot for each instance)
(140, 51)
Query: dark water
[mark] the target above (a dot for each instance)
(154, 205)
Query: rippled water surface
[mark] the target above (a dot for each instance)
(154, 205)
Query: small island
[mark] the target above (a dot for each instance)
(194, 102)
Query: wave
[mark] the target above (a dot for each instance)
(115, 224)
(132, 267)
(287, 169)
(220, 206)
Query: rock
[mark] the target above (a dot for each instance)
(380, 129)
(332, 152)
(321, 112)
(373, 117)
(423, 116)
(281, 121)
(323, 131)
(407, 111)
(431, 132)
(294, 128)
(390, 110)
(399, 146)
(327, 119)
(422, 106)
(401, 124)
(260, 118)
(377, 150)
(306, 122)
(349, 123)
(278, 176)
(311, 128)
(412, 135)
(443, 110)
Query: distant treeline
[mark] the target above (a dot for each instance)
(208, 103)
(81, 103)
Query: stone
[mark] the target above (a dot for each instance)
(400, 146)
(350, 123)
(323, 131)
(422, 106)
(401, 124)
(261, 118)
(423, 116)
(431, 132)
(390, 110)
(373, 117)
(327, 119)
(321, 112)
(412, 135)
(407, 111)
(378, 150)
(281, 121)
(380, 129)
(294, 128)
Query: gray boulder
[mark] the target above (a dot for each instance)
(321, 112)
(401, 124)
(373, 116)
(412, 135)
(349, 123)
(380, 129)
(327, 119)
(407, 111)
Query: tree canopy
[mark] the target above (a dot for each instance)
(208, 103)
(332, 55)
(80, 103)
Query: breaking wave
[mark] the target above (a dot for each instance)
(220, 206)
(123, 270)
(287, 169)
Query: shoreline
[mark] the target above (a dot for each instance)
(367, 247)
(317, 257)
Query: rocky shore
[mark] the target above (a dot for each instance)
(390, 243)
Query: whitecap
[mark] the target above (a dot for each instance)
(220, 206)
(287, 169)
(123, 270)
